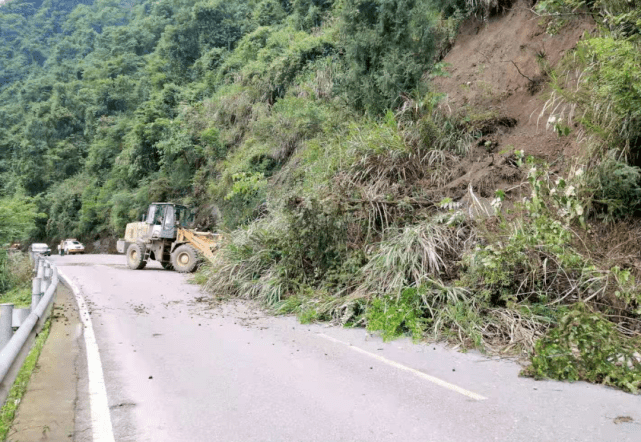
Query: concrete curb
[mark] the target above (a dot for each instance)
(15, 352)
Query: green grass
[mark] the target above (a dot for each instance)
(8, 412)
(16, 274)
(20, 297)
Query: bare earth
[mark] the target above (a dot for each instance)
(489, 71)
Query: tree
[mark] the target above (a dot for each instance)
(17, 218)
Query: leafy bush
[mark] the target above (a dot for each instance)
(315, 239)
(248, 254)
(269, 12)
(394, 316)
(64, 206)
(271, 58)
(17, 218)
(307, 14)
(607, 95)
(535, 257)
(617, 188)
(621, 17)
(586, 346)
(15, 278)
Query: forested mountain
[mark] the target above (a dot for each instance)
(109, 105)
(363, 171)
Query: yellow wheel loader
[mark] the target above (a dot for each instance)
(163, 235)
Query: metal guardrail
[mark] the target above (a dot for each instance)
(13, 346)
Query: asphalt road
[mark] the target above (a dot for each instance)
(177, 369)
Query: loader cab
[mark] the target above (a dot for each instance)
(165, 218)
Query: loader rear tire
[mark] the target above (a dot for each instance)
(135, 257)
(184, 259)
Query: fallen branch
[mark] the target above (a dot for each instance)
(412, 202)
(522, 74)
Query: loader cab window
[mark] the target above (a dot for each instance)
(180, 215)
(151, 214)
(155, 215)
(169, 217)
(183, 216)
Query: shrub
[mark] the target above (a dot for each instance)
(271, 58)
(290, 249)
(606, 95)
(316, 238)
(586, 346)
(17, 218)
(15, 277)
(617, 188)
(621, 17)
(247, 255)
(394, 316)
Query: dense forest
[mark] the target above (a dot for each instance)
(311, 133)
(110, 105)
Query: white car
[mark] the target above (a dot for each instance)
(73, 246)
(41, 248)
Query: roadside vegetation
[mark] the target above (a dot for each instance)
(311, 133)
(17, 222)
(17, 280)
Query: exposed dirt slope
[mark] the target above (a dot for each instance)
(484, 79)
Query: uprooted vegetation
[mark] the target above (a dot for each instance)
(426, 223)
(371, 163)
(405, 259)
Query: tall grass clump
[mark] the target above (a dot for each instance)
(15, 278)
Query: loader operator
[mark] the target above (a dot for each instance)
(158, 218)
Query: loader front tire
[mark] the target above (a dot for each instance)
(135, 257)
(184, 259)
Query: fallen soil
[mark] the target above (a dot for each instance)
(498, 81)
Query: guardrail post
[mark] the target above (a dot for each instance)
(44, 285)
(6, 323)
(41, 269)
(36, 293)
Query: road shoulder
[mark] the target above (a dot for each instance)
(47, 409)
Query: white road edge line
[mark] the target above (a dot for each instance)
(99, 405)
(420, 374)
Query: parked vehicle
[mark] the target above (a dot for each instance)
(71, 246)
(41, 248)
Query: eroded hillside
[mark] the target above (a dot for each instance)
(502, 68)
(452, 170)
